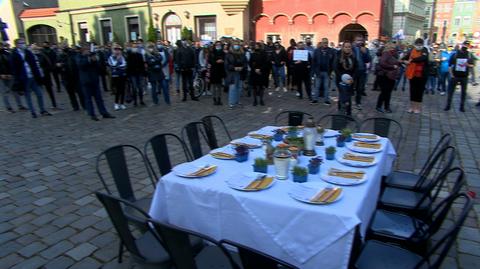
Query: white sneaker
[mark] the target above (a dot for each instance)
(442, 93)
(116, 107)
(277, 89)
(123, 107)
(285, 89)
(297, 94)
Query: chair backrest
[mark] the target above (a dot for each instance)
(159, 146)
(439, 163)
(339, 122)
(252, 258)
(193, 133)
(179, 245)
(211, 132)
(441, 144)
(118, 166)
(115, 209)
(439, 250)
(383, 127)
(295, 118)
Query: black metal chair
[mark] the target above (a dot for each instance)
(339, 122)
(295, 118)
(212, 133)
(410, 232)
(412, 181)
(145, 248)
(158, 147)
(193, 133)
(184, 254)
(252, 258)
(383, 127)
(117, 163)
(379, 255)
(413, 202)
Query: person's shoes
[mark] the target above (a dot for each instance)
(442, 93)
(220, 102)
(45, 113)
(475, 84)
(34, 115)
(416, 112)
(123, 107)
(380, 110)
(116, 106)
(10, 110)
(285, 89)
(363, 94)
(327, 103)
(255, 103)
(425, 92)
(477, 104)
(94, 118)
(433, 92)
(388, 110)
(314, 102)
(231, 107)
(262, 103)
(76, 109)
(22, 108)
(108, 116)
(297, 94)
(277, 89)
(462, 109)
(184, 99)
(358, 106)
(410, 111)
(447, 108)
(403, 89)
(249, 94)
(135, 104)
(142, 104)
(57, 108)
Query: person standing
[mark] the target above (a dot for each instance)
(345, 64)
(186, 64)
(443, 69)
(460, 64)
(362, 56)
(417, 72)
(136, 73)
(69, 69)
(155, 63)
(118, 70)
(53, 59)
(217, 72)
(167, 73)
(89, 69)
(279, 60)
(323, 58)
(236, 65)
(302, 71)
(259, 67)
(388, 67)
(290, 49)
(46, 68)
(26, 74)
(6, 81)
(433, 66)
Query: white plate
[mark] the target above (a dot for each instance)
(252, 142)
(351, 146)
(185, 169)
(340, 159)
(341, 180)
(305, 192)
(377, 138)
(330, 133)
(227, 149)
(240, 181)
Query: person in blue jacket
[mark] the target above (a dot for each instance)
(443, 71)
(362, 57)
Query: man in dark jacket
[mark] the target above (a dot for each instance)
(186, 63)
(53, 58)
(362, 57)
(6, 81)
(89, 68)
(26, 75)
(46, 70)
(323, 59)
(301, 75)
(68, 66)
(136, 73)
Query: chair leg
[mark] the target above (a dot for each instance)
(120, 252)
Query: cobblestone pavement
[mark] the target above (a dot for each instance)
(50, 219)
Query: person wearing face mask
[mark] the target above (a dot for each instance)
(258, 73)
(27, 76)
(236, 66)
(417, 72)
(186, 62)
(387, 73)
(136, 74)
(290, 49)
(6, 81)
(345, 63)
(217, 72)
(302, 71)
(323, 58)
(69, 70)
(155, 63)
(363, 57)
(167, 73)
(433, 66)
(279, 60)
(118, 67)
(460, 65)
(46, 68)
(443, 70)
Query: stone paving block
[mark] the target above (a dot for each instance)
(44, 201)
(469, 233)
(9, 248)
(84, 236)
(81, 251)
(468, 247)
(32, 249)
(10, 260)
(38, 189)
(27, 239)
(61, 262)
(85, 222)
(5, 237)
(4, 195)
(57, 249)
(468, 261)
(32, 263)
(85, 200)
(44, 219)
(58, 236)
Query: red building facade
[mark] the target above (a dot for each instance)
(338, 20)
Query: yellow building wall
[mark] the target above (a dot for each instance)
(8, 17)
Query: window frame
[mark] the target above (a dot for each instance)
(127, 30)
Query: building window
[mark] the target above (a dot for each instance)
(133, 28)
(83, 32)
(173, 27)
(206, 28)
(106, 30)
(457, 21)
(305, 36)
(466, 21)
(274, 37)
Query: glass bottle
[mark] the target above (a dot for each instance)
(281, 160)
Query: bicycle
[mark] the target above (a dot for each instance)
(200, 83)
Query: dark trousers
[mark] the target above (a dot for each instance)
(386, 88)
(417, 87)
(304, 78)
(187, 83)
(103, 79)
(73, 91)
(258, 91)
(345, 93)
(92, 90)
(463, 86)
(47, 82)
(360, 80)
(118, 83)
(56, 77)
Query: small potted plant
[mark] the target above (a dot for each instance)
(347, 133)
(341, 140)
(314, 165)
(299, 174)
(241, 153)
(278, 136)
(260, 165)
(320, 132)
(292, 131)
(330, 153)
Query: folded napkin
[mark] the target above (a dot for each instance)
(365, 136)
(260, 136)
(358, 158)
(203, 171)
(368, 145)
(259, 184)
(356, 175)
(222, 155)
(327, 195)
(245, 144)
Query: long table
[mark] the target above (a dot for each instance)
(305, 235)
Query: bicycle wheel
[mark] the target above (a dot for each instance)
(198, 87)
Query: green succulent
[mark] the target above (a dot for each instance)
(300, 171)
(330, 150)
(261, 162)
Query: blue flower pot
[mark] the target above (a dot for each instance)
(348, 139)
(278, 137)
(313, 170)
(260, 169)
(241, 157)
(340, 144)
(299, 179)
(330, 156)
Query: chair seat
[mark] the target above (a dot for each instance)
(135, 215)
(402, 179)
(398, 199)
(152, 251)
(212, 257)
(378, 255)
(390, 224)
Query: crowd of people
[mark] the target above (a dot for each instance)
(234, 67)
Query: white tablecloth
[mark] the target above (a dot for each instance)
(308, 236)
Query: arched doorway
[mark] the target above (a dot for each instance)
(41, 33)
(350, 31)
(173, 27)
